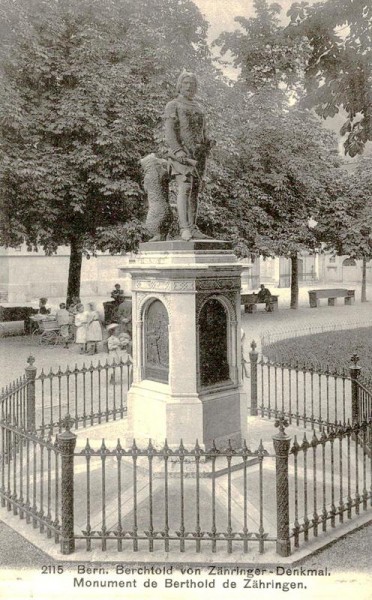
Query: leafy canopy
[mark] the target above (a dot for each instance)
(346, 226)
(263, 51)
(84, 85)
(338, 73)
(285, 162)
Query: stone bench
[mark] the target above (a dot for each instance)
(331, 294)
(250, 302)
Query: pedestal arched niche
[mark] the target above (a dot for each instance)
(156, 341)
(214, 346)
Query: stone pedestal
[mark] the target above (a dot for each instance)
(186, 344)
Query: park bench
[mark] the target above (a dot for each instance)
(250, 302)
(332, 294)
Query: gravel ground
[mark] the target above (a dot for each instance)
(351, 553)
(17, 552)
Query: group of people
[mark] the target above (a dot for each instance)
(88, 330)
(81, 324)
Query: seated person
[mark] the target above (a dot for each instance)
(264, 295)
(117, 294)
(43, 310)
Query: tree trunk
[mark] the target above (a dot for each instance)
(294, 281)
(74, 270)
(364, 280)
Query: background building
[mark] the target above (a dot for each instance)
(26, 276)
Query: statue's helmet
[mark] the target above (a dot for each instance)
(182, 77)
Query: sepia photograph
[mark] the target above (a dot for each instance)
(185, 299)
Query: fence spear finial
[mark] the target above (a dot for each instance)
(67, 422)
(281, 423)
(355, 359)
(31, 360)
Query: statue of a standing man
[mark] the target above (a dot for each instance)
(188, 145)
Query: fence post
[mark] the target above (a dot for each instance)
(253, 357)
(354, 374)
(66, 442)
(30, 371)
(281, 446)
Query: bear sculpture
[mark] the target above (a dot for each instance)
(156, 184)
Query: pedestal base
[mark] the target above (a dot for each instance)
(186, 345)
(154, 413)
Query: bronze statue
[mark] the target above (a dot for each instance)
(188, 146)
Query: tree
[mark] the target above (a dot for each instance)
(339, 71)
(346, 226)
(84, 84)
(287, 162)
(291, 166)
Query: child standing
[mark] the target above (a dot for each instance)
(94, 330)
(81, 328)
(63, 320)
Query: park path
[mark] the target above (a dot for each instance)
(14, 351)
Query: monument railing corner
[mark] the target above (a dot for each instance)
(313, 395)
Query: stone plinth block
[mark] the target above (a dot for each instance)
(186, 343)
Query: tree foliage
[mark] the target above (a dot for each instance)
(84, 85)
(338, 73)
(287, 162)
(346, 225)
(264, 52)
(83, 92)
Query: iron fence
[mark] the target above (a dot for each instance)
(173, 498)
(30, 477)
(364, 401)
(13, 401)
(176, 499)
(306, 393)
(332, 479)
(90, 394)
(303, 394)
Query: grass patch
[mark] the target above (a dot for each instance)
(333, 349)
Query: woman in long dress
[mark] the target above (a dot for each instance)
(94, 329)
(81, 328)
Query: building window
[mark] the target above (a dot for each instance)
(349, 262)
